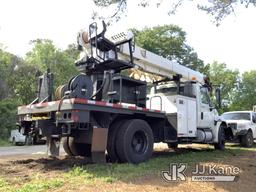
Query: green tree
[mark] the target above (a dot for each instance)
(245, 96)
(72, 51)
(224, 78)
(8, 111)
(23, 82)
(8, 64)
(219, 9)
(17, 77)
(44, 55)
(169, 41)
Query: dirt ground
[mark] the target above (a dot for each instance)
(20, 168)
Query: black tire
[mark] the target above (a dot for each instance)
(76, 149)
(247, 139)
(65, 145)
(111, 145)
(134, 143)
(13, 141)
(28, 140)
(173, 146)
(83, 149)
(221, 140)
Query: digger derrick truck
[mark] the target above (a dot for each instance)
(104, 114)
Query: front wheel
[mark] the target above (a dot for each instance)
(221, 140)
(247, 140)
(13, 141)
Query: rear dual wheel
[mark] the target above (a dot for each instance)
(111, 144)
(128, 141)
(134, 141)
(75, 149)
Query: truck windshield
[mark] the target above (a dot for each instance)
(236, 116)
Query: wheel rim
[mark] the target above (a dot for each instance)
(250, 140)
(139, 142)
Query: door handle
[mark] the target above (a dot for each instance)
(202, 115)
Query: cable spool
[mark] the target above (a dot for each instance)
(80, 86)
(60, 91)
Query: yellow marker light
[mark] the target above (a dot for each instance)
(58, 114)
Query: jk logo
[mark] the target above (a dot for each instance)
(176, 172)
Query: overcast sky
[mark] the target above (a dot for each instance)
(233, 42)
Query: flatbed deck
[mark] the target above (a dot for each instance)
(84, 104)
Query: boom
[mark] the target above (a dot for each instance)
(152, 63)
(143, 60)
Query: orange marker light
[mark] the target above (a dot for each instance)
(193, 78)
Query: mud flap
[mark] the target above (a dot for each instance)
(99, 145)
(53, 146)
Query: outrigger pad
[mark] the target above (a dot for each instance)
(53, 147)
(99, 145)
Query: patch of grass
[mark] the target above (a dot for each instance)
(4, 142)
(239, 148)
(98, 174)
(41, 186)
(4, 186)
(128, 172)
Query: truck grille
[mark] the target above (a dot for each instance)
(232, 125)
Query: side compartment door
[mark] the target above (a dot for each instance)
(182, 123)
(192, 117)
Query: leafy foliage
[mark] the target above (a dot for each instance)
(226, 78)
(17, 77)
(8, 63)
(223, 78)
(115, 15)
(44, 55)
(219, 9)
(8, 111)
(244, 98)
(169, 41)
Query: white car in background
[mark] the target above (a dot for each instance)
(241, 126)
(17, 138)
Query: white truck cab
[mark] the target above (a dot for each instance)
(189, 109)
(241, 126)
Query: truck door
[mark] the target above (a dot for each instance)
(254, 125)
(205, 114)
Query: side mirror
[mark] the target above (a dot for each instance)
(79, 47)
(253, 119)
(218, 97)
